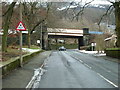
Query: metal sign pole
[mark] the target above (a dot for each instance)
(21, 58)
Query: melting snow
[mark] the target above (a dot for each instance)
(30, 50)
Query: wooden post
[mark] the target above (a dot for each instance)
(41, 35)
(21, 58)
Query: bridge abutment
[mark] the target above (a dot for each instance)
(80, 42)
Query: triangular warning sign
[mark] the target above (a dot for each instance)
(20, 26)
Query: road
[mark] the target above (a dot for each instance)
(72, 69)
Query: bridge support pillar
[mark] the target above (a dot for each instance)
(80, 42)
(45, 41)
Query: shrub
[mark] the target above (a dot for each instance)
(113, 52)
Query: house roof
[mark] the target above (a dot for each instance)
(113, 36)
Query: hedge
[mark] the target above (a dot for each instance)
(113, 52)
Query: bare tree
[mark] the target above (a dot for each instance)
(117, 20)
(6, 18)
(116, 7)
(34, 15)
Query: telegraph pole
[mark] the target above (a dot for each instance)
(21, 58)
(41, 35)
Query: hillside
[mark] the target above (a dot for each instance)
(90, 17)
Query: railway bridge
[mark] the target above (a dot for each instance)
(67, 33)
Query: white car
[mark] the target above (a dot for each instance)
(62, 48)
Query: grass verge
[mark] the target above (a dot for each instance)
(112, 48)
(13, 51)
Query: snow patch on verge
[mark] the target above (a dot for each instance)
(30, 50)
(95, 53)
(88, 52)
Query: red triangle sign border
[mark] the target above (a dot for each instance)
(24, 29)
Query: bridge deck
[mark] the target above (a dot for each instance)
(64, 32)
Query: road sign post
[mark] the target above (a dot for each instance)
(20, 27)
(21, 58)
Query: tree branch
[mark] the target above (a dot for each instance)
(81, 11)
(48, 8)
(106, 13)
(110, 1)
(12, 5)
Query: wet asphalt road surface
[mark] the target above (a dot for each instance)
(71, 69)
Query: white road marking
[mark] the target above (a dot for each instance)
(87, 65)
(97, 73)
(107, 80)
(76, 58)
(81, 61)
(108, 71)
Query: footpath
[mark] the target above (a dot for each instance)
(20, 77)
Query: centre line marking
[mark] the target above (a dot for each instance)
(87, 66)
(80, 60)
(108, 71)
